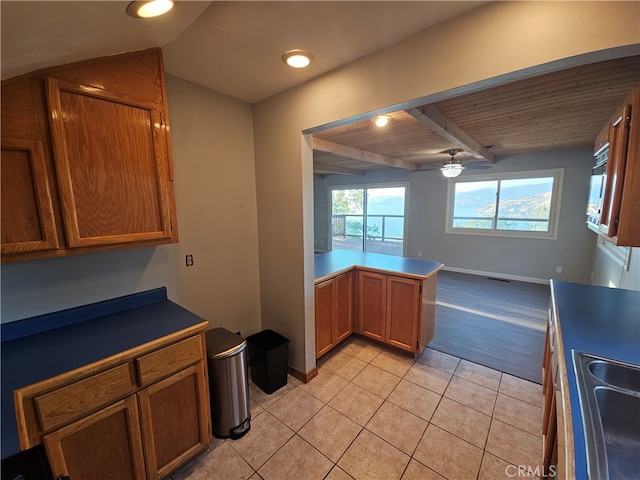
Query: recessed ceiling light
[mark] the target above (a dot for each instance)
(381, 120)
(148, 9)
(297, 58)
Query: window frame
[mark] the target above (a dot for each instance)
(366, 186)
(554, 208)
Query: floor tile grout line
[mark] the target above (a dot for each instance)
(384, 399)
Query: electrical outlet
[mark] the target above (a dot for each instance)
(558, 269)
(420, 253)
(189, 260)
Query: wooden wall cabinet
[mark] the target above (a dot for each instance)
(334, 312)
(136, 416)
(390, 309)
(621, 197)
(86, 162)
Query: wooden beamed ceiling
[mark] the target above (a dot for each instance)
(564, 109)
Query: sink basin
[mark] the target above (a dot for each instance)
(616, 374)
(620, 418)
(609, 394)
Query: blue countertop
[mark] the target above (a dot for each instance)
(47, 345)
(336, 261)
(597, 320)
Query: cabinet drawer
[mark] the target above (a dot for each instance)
(169, 359)
(81, 397)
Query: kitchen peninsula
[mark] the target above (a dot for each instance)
(386, 298)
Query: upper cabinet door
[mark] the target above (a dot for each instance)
(619, 139)
(112, 165)
(28, 222)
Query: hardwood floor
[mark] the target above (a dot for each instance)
(496, 323)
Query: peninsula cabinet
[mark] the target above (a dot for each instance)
(334, 312)
(138, 415)
(390, 309)
(86, 160)
(386, 298)
(372, 305)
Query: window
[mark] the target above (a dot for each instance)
(368, 219)
(522, 204)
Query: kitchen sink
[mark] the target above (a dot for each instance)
(609, 394)
(619, 375)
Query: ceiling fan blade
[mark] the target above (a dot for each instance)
(431, 166)
(477, 165)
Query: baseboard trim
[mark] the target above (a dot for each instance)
(304, 377)
(504, 276)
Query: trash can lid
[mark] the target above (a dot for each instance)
(222, 343)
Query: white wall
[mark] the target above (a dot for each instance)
(495, 43)
(610, 270)
(526, 259)
(212, 145)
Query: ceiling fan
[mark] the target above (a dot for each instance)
(454, 167)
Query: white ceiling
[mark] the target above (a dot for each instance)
(232, 47)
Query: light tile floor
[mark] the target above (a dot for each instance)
(373, 413)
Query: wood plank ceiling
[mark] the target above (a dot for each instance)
(564, 109)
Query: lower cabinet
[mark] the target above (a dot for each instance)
(393, 309)
(138, 419)
(334, 312)
(390, 309)
(173, 420)
(404, 300)
(549, 412)
(372, 305)
(105, 445)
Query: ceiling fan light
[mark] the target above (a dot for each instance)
(149, 9)
(451, 170)
(297, 58)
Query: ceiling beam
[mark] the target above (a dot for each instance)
(362, 155)
(435, 119)
(320, 168)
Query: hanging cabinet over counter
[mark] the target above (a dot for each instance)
(86, 160)
(617, 177)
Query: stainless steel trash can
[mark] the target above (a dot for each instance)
(228, 383)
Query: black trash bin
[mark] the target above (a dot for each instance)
(269, 359)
